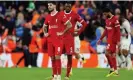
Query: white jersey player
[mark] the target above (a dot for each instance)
(77, 44)
(125, 45)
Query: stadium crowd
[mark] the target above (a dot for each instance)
(20, 21)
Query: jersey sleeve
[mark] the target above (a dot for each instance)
(104, 34)
(126, 25)
(82, 23)
(117, 29)
(78, 18)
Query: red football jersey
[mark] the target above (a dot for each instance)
(112, 30)
(74, 18)
(55, 24)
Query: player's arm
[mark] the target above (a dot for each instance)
(127, 26)
(5, 34)
(44, 28)
(103, 35)
(68, 26)
(67, 23)
(117, 29)
(81, 23)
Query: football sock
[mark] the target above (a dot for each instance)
(58, 64)
(69, 66)
(54, 68)
(110, 61)
(114, 62)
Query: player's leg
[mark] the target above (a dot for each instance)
(39, 59)
(3, 59)
(58, 52)
(120, 59)
(127, 59)
(110, 62)
(9, 60)
(125, 52)
(101, 57)
(52, 56)
(77, 50)
(110, 57)
(69, 51)
(131, 52)
(114, 50)
(132, 59)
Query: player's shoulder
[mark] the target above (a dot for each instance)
(115, 17)
(74, 13)
(61, 13)
(48, 16)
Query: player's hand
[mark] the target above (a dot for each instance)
(124, 34)
(75, 34)
(60, 33)
(76, 30)
(46, 34)
(98, 42)
(118, 44)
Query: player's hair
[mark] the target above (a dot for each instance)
(53, 2)
(69, 2)
(106, 9)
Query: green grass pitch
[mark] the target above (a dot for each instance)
(78, 74)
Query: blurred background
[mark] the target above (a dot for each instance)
(19, 19)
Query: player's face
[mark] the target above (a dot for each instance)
(51, 7)
(68, 7)
(106, 14)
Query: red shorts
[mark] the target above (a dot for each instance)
(112, 48)
(68, 47)
(55, 49)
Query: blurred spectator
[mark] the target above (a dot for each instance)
(61, 7)
(77, 6)
(21, 9)
(98, 32)
(9, 24)
(115, 5)
(2, 10)
(19, 24)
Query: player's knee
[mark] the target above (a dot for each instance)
(108, 53)
(125, 53)
(77, 56)
(131, 56)
(57, 57)
(69, 57)
(52, 58)
(113, 55)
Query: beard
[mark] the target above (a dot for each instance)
(67, 11)
(50, 10)
(108, 16)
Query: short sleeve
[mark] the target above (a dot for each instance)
(116, 21)
(78, 18)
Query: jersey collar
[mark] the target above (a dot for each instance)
(54, 13)
(67, 13)
(111, 17)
